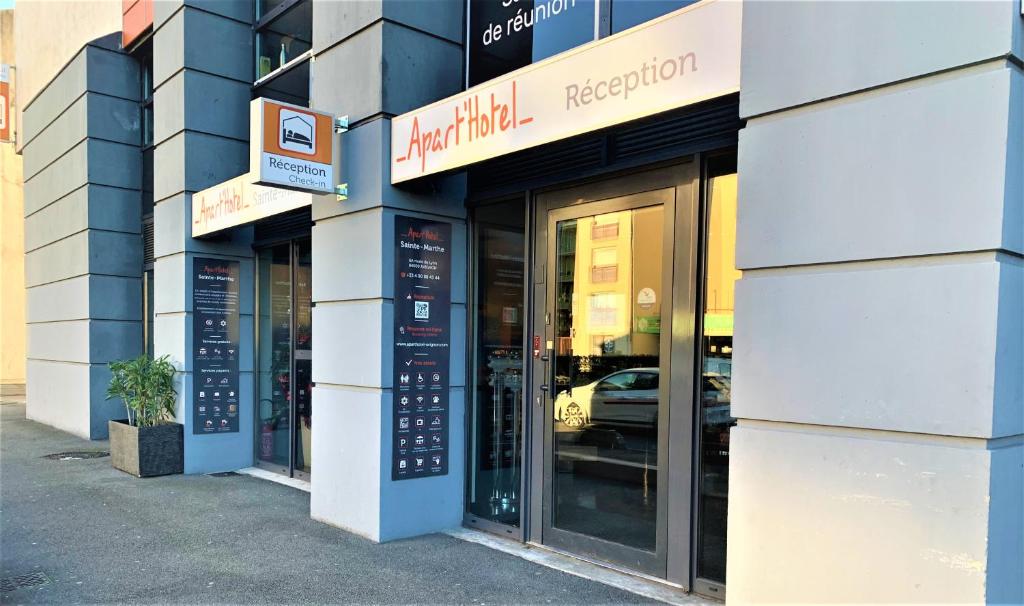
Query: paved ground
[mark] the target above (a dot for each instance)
(102, 536)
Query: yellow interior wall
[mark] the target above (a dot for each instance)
(12, 242)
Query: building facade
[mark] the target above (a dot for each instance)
(724, 294)
(12, 241)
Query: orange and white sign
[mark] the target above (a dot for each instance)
(291, 146)
(238, 201)
(5, 102)
(685, 57)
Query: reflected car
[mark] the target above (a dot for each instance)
(626, 398)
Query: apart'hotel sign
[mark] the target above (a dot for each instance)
(685, 57)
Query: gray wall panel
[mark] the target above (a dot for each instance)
(801, 45)
(444, 19)
(417, 69)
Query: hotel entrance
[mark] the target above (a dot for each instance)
(284, 357)
(614, 434)
(591, 431)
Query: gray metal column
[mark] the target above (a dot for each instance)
(375, 60)
(203, 71)
(879, 359)
(83, 248)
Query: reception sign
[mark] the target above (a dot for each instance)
(685, 57)
(215, 346)
(422, 348)
(291, 146)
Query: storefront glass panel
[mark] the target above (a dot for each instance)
(284, 358)
(496, 440)
(273, 372)
(607, 365)
(303, 354)
(716, 381)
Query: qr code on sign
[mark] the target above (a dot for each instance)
(422, 310)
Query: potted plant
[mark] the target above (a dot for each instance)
(149, 442)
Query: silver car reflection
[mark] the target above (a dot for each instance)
(626, 398)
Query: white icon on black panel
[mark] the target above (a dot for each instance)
(209, 322)
(202, 351)
(419, 461)
(216, 351)
(436, 399)
(403, 378)
(209, 379)
(216, 394)
(403, 422)
(437, 377)
(420, 421)
(202, 394)
(419, 377)
(223, 422)
(436, 421)
(224, 381)
(202, 409)
(435, 439)
(419, 399)
(223, 322)
(231, 394)
(401, 329)
(403, 442)
(404, 400)
(436, 459)
(420, 440)
(402, 463)
(231, 352)
(421, 310)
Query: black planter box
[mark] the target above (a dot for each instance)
(147, 451)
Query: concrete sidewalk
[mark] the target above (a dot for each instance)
(101, 536)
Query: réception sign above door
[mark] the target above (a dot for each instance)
(291, 146)
(685, 57)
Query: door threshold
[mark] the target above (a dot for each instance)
(642, 585)
(263, 474)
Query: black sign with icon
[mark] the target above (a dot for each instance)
(422, 348)
(215, 346)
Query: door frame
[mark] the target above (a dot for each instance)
(673, 556)
(293, 256)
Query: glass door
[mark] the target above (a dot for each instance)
(615, 433)
(283, 358)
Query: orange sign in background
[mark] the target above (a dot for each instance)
(5, 103)
(271, 133)
(136, 18)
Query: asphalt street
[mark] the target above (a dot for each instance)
(86, 533)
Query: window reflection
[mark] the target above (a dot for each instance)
(716, 381)
(627, 13)
(607, 367)
(496, 439)
(284, 38)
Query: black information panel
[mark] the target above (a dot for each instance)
(423, 279)
(215, 346)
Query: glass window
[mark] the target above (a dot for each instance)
(496, 440)
(716, 380)
(505, 35)
(284, 36)
(604, 470)
(627, 13)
